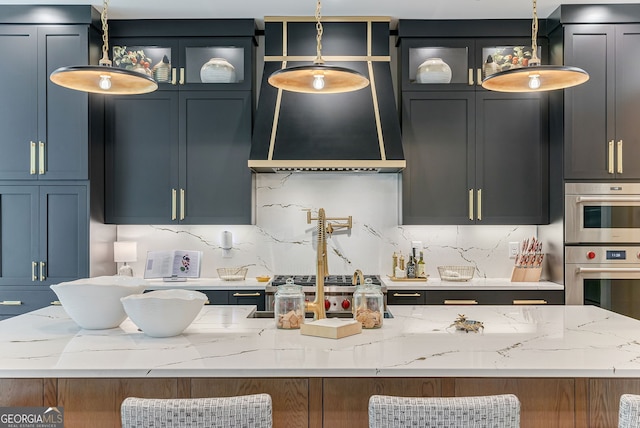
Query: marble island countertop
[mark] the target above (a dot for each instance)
(517, 341)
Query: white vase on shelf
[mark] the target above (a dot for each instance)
(217, 70)
(433, 70)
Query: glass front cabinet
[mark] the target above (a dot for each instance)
(460, 64)
(189, 63)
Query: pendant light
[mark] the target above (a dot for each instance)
(318, 78)
(103, 78)
(535, 77)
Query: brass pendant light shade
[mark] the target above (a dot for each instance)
(318, 78)
(535, 77)
(94, 78)
(103, 78)
(314, 79)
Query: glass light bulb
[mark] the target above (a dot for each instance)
(318, 82)
(534, 81)
(105, 82)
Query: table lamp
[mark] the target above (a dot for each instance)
(125, 251)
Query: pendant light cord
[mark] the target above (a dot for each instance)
(319, 29)
(105, 35)
(534, 36)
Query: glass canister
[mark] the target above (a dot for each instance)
(368, 304)
(289, 305)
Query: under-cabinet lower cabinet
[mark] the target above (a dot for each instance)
(236, 297)
(494, 297)
(475, 158)
(178, 157)
(44, 239)
(406, 297)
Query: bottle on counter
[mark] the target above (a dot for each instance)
(289, 306)
(395, 264)
(411, 265)
(421, 269)
(401, 261)
(368, 304)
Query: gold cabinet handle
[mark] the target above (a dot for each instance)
(610, 158)
(471, 77)
(181, 75)
(173, 76)
(11, 303)
(479, 76)
(530, 302)
(42, 271)
(460, 302)
(34, 268)
(182, 204)
(173, 204)
(56, 303)
(32, 157)
(407, 294)
(41, 157)
(479, 204)
(620, 157)
(246, 294)
(471, 204)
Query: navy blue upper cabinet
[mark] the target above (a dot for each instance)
(179, 155)
(44, 126)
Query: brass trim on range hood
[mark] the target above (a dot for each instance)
(327, 165)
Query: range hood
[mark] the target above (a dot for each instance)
(353, 131)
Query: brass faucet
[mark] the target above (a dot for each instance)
(357, 277)
(322, 269)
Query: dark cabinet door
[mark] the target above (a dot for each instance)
(406, 297)
(627, 125)
(141, 155)
(45, 126)
(248, 297)
(512, 146)
(438, 131)
(215, 140)
(589, 141)
(44, 234)
(19, 105)
(64, 233)
(19, 243)
(63, 114)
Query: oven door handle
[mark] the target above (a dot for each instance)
(581, 199)
(607, 269)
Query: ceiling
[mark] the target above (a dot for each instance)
(258, 9)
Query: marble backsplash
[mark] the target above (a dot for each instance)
(282, 241)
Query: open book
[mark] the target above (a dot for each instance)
(173, 264)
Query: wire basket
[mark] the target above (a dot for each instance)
(232, 274)
(456, 273)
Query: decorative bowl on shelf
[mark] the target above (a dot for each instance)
(217, 70)
(456, 273)
(263, 278)
(233, 274)
(164, 313)
(433, 70)
(94, 303)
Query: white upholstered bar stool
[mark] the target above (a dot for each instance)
(491, 411)
(629, 414)
(245, 411)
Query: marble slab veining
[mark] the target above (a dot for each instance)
(517, 341)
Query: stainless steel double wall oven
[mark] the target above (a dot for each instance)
(602, 246)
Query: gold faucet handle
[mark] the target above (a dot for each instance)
(357, 275)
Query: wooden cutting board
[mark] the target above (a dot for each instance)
(332, 328)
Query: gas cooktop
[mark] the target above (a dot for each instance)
(331, 280)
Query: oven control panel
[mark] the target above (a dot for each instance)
(602, 255)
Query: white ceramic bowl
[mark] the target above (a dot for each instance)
(164, 313)
(94, 303)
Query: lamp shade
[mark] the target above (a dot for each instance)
(125, 251)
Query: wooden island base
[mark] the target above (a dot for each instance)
(327, 402)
